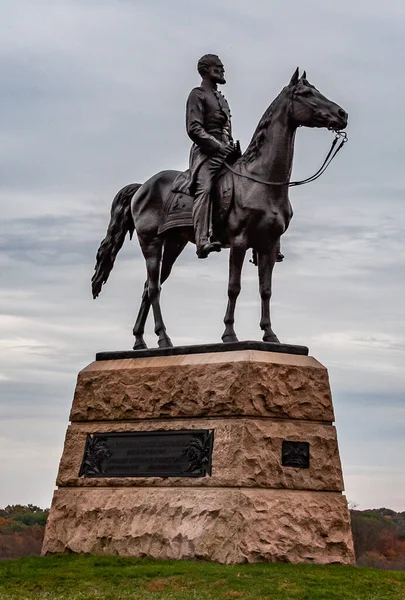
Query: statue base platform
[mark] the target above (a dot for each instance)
(257, 475)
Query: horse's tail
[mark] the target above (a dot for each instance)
(121, 222)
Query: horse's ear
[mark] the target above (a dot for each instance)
(294, 78)
(304, 75)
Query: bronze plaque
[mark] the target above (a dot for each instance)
(148, 454)
(295, 454)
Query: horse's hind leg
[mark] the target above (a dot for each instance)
(173, 247)
(139, 327)
(152, 251)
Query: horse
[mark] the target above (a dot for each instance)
(259, 213)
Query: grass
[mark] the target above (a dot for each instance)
(79, 577)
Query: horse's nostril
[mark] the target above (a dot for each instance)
(341, 112)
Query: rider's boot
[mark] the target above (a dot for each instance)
(205, 247)
(202, 222)
(205, 244)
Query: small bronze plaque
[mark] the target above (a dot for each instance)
(295, 454)
(148, 454)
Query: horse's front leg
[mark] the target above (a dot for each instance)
(236, 258)
(266, 264)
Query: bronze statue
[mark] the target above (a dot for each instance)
(250, 208)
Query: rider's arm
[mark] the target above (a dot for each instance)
(195, 123)
(229, 124)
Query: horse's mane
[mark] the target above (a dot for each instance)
(252, 151)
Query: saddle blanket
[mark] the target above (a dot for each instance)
(178, 205)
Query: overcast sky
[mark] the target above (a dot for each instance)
(92, 98)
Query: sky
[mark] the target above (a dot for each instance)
(92, 98)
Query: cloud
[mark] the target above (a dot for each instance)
(93, 98)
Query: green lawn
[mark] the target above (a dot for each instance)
(111, 578)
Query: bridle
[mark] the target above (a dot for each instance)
(339, 135)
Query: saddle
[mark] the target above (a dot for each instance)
(178, 204)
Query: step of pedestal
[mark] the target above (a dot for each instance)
(223, 525)
(246, 452)
(245, 383)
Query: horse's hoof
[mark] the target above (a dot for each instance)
(140, 345)
(272, 338)
(165, 342)
(229, 338)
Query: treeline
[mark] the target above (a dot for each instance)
(22, 530)
(379, 538)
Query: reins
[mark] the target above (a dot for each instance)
(342, 135)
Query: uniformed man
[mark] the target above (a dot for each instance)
(208, 123)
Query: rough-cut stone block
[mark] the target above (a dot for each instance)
(247, 452)
(223, 525)
(248, 383)
(261, 464)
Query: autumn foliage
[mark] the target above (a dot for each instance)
(379, 538)
(21, 530)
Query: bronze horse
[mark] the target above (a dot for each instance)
(259, 214)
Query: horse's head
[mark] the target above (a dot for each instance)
(311, 109)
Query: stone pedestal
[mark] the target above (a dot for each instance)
(252, 507)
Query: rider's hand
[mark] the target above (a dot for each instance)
(226, 150)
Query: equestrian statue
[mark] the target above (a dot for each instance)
(225, 199)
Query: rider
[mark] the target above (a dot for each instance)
(208, 123)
